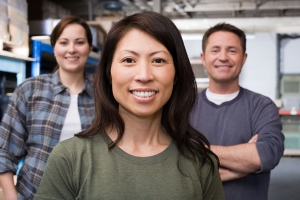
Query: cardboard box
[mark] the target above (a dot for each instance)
(3, 9)
(20, 5)
(16, 15)
(4, 34)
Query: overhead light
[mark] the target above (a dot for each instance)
(41, 37)
(113, 5)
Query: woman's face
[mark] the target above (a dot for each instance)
(72, 49)
(142, 75)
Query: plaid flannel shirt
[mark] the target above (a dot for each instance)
(32, 124)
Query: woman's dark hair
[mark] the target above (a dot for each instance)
(63, 23)
(175, 116)
(226, 28)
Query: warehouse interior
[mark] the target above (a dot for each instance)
(272, 28)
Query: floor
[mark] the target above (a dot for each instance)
(285, 180)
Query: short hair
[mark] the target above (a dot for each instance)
(176, 112)
(63, 23)
(227, 28)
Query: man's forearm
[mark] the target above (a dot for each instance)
(242, 158)
(229, 175)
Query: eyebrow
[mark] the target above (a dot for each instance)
(69, 39)
(229, 47)
(151, 54)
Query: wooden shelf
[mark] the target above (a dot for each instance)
(291, 152)
(289, 112)
(195, 61)
(11, 55)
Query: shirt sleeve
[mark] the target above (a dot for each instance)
(13, 133)
(57, 180)
(270, 143)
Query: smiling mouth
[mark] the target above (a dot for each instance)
(143, 94)
(72, 58)
(223, 66)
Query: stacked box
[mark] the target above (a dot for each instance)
(4, 21)
(18, 26)
(20, 5)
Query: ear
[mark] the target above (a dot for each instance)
(245, 58)
(202, 56)
(91, 48)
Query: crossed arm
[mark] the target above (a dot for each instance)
(238, 160)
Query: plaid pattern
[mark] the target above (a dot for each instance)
(32, 124)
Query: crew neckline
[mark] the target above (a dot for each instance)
(143, 160)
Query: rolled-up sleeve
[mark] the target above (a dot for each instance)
(270, 144)
(13, 133)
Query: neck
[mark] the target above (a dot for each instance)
(142, 136)
(223, 88)
(73, 81)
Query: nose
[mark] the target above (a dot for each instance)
(223, 55)
(144, 72)
(71, 48)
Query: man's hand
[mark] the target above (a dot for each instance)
(253, 139)
(228, 175)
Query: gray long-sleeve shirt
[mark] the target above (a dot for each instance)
(235, 122)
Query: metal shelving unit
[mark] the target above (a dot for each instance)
(286, 90)
(12, 63)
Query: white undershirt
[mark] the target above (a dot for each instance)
(218, 99)
(72, 123)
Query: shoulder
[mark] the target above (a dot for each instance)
(80, 145)
(256, 98)
(34, 84)
(201, 96)
(209, 166)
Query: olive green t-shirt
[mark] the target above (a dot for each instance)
(84, 168)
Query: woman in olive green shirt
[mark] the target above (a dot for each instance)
(141, 145)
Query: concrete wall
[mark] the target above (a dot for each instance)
(290, 57)
(259, 73)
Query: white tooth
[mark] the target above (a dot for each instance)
(143, 94)
(72, 58)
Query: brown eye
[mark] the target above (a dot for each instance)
(128, 60)
(159, 60)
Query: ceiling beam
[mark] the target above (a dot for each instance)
(249, 25)
(270, 5)
(279, 5)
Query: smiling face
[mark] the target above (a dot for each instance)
(223, 59)
(71, 49)
(142, 74)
